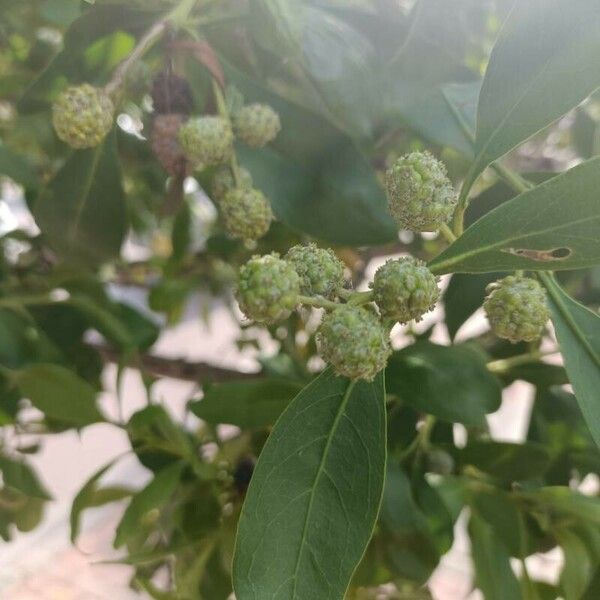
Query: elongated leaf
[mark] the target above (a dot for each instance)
(450, 382)
(82, 210)
(85, 498)
(247, 404)
(409, 544)
(59, 394)
(315, 494)
(578, 333)
(551, 227)
(579, 566)
(543, 64)
(154, 495)
(507, 461)
(493, 574)
(332, 54)
(20, 476)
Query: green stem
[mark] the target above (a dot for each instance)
(318, 302)
(505, 364)
(421, 441)
(224, 113)
(176, 17)
(360, 298)
(518, 183)
(448, 233)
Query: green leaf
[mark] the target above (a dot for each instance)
(409, 545)
(59, 394)
(450, 382)
(431, 56)
(315, 494)
(91, 495)
(542, 65)
(507, 461)
(553, 226)
(19, 475)
(578, 568)
(493, 573)
(498, 509)
(247, 404)
(564, 501)
(314, 200)
(154, 496)
(18, 168)
(332, 55)
(82, 209)
(578, 333)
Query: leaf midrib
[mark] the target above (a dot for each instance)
(80, 205)
(482, 249)
(318, 475)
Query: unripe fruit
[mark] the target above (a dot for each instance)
(268, 288)
(516, 308)
(420, 195)
(353, 340)
(256, 125)
(247, 214)
(165, 143)
(321, 271)
(207, 140)
(223, 182)
(405, 289)
(82, 116)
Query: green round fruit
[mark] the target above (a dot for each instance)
(82, 116)
(516, 308)
(246, 213)
(405, 289)
(420, 195)
(207, 140)
(321, 271)
(256, 125)
(223, 182)
(268, 288)
(353, 340)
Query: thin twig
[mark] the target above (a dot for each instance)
(176, 368)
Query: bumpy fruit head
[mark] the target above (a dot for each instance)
(268, 288)
(405, 289)
(223, 182)
(247, 213)
(207, 140)
(321, 271)
(256, 125)
(516, 308)
(420, 195)
(353, 340)
(82, 116)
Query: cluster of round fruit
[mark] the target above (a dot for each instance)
(422, 198)
(83, 115)
(208, 141)
(354, 333)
